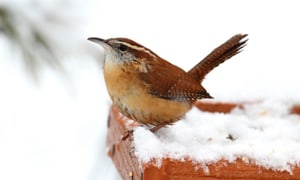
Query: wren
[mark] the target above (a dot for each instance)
(151, 90)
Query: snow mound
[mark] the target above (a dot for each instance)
(264, 132)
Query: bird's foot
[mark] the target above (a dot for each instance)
(156, 128)
(128, 134)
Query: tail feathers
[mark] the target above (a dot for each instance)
(225, 51)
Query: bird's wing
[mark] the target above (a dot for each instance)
(171, 82)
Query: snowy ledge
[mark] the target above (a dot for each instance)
(265, 134)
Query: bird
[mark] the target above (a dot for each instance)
(149, 89)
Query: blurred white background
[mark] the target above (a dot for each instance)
(53, 101)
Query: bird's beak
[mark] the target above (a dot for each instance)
(97, 40)
(102, 42)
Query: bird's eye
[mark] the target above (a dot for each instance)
(123, 47)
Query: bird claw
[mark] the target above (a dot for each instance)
(128, 134)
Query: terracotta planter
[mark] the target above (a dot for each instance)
(122, 154)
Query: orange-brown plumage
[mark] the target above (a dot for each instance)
(220, 54)
(151, 90)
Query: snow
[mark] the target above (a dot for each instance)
(264, 133)
(54, 129)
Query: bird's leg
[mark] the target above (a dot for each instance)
(128, 134)
(156, 128)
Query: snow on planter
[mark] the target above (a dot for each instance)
(261, 135)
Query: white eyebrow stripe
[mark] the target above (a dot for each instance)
(139, 48)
